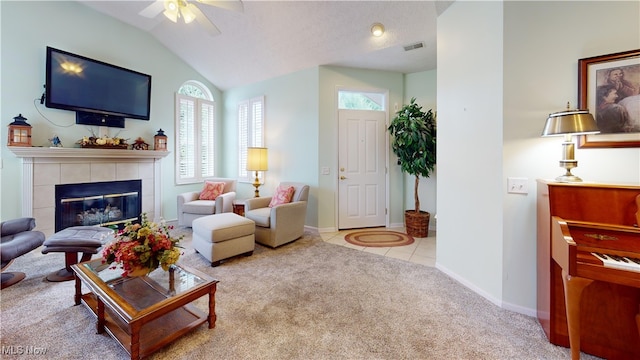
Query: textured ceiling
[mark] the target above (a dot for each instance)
(274, 38)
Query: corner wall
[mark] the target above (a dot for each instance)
(470, 107)
(490, 118)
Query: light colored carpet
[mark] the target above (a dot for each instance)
(378, 238)
(305, 300)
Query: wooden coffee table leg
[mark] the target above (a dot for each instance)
(100, 313)
(78, 294)
(135, 340)
(212, 307)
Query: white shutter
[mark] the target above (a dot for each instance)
(195, 139)
(243, 140)
(208, 138)
(185, 152)
(250, 133)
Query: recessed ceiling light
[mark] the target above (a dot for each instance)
(377, 29)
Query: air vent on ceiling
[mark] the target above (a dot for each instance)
(417, 45)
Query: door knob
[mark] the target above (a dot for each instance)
(342, 177)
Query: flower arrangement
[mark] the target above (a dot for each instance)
(104, 141)
(146, 245)
(107, 142)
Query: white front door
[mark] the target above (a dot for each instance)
(361, 169)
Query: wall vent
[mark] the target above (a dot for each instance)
(417, 45)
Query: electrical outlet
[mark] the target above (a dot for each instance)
(517, 185)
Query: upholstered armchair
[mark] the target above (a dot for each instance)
(281, 223)
(192, 205)
(17, 240)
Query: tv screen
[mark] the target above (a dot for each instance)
(98, 91)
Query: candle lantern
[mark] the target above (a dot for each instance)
(160, 141)
(19, 132)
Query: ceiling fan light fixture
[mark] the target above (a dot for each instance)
(187, 14)
(171, 10)
(377, 29)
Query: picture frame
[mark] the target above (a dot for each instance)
(593, 81)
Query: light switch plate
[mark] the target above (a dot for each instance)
(517, 185)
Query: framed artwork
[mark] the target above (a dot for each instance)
(609, 86)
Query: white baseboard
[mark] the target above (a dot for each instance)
(498, 302)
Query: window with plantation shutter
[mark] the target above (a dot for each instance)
(195, 134)
(250, 134)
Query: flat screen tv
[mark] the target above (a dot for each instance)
(101, 94)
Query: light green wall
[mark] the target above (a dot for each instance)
(489, 122)
(331, 78)
(291, 123)
(540, 76)
(469, 155)
(301, 122)
(27, 28)
(422, 86)
(301, 115)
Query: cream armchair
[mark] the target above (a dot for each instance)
(282, 223)
(191, 207)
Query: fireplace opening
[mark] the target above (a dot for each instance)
(108, 203)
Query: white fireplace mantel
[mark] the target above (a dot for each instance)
(45, 167)
(61, 152)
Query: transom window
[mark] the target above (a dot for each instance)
(195, 133)
(359, 100)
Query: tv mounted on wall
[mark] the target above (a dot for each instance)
(101, 94)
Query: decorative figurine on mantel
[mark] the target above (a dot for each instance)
(55, 141)
(19, 132)
(140, 144)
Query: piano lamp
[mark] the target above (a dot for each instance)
(256, 161)
(568, 123)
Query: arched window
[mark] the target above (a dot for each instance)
(195, 125)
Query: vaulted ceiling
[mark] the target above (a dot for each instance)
(273, 38)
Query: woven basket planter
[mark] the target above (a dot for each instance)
(417, 224)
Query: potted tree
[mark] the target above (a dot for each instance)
(414, 143)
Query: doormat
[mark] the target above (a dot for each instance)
(378, 238)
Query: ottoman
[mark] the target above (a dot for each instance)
(222, 236)
(73, 240)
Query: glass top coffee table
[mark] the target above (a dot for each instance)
(145, 313)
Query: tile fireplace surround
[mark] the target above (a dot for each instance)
(44, 168)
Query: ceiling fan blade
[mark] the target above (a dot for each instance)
(153, 10)
(204, 21)
(234, 5)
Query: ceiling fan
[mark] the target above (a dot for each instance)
(188, 11)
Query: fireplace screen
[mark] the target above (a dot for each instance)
(110, 203)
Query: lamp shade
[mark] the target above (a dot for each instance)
(257, 159)
(570, 122)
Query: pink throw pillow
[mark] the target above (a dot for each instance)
(211, 190)
(283, 195)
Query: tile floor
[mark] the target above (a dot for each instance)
(422, 251)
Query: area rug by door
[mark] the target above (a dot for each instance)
(378, 238)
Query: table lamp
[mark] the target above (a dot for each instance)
(568, 123)
(256, 161)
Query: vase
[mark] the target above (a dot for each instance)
(138, 271)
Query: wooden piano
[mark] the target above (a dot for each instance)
(588, 245)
